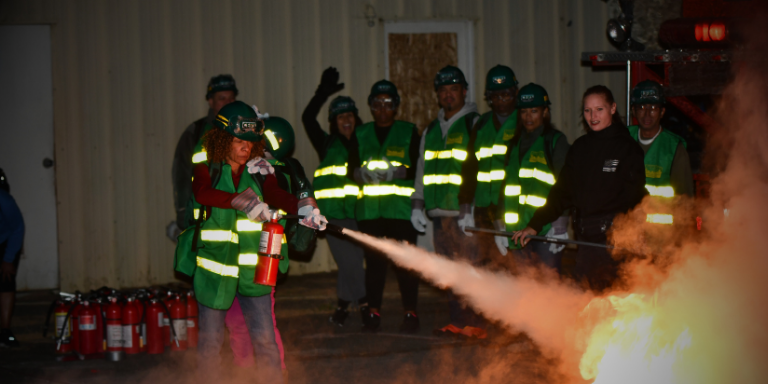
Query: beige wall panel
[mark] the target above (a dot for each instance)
(130, 76)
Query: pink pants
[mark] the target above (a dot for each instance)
(240, 339)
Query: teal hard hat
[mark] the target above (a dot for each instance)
(240, 120)
(450, 75)
(220, 83)
(647, 92)
(279, 136)
(384, 87)
(341, 104)
(532, 95)
(499, 78)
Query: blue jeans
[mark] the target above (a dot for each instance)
(451, 242)
(259, 317)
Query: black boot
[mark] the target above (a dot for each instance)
(410, 324)
(371, 321)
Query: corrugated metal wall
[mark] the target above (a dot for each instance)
(129, 76)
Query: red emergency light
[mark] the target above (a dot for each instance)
(697, 33)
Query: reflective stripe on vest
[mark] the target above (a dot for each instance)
(659, 218)
(489, 176)
(511, 218)
(497, 149)
(381, 190)
(199, 157)
(219, 235)
(663, 191)
(537, 174)
(248, 226)
(218, 268)
(442, 179)
(348, 190)
(248, 259)
(532, 200)
(332, 170)
(457, 154)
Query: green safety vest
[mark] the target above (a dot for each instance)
(528, 185)
(226, 262)
(388, 199)
(658, 166)
(334, 192)
(491, 149)
(443, 158)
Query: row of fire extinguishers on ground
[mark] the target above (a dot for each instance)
(107, 323)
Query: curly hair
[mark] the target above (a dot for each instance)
(218, 143)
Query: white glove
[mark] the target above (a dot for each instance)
(260, 165)
(173, 231)
(502, 243)
(467, 218)
(418, 220)
(386, 174)
(556, 247)
(369, 176)
(312, 218)
(250, 204)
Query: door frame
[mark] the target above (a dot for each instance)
(464, 30)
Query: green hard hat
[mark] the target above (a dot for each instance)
(532, 95)
(220, 83)
(384, 87)
(279, 136)
(500, 77)
(647, 92)
(341, 104)
(240, 120)
(450, 75)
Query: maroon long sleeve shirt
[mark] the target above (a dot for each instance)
(209, 196)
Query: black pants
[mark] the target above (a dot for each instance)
(595, 264)
(376, 263)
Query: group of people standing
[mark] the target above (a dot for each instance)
(508, 169)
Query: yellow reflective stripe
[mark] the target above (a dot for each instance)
(484, 152)
(537, 174)
(248, 226)
(498, 175)
(397, 163)
(272, 139)
(442, 179)
(499, 149)
(218, 268)
(248, 259)
(351, 190)
(284, 240)
(196, 213)
(219, 235)
(199, 157)
(665, 191)
(659, 218)
(382, 190)
(457, 154)
(376, 164)
(532, 200)
(484, 176)
(511, 218)
(332, 170)
(329, 193)
(512, 190)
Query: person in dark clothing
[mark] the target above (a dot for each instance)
(383, 162)
(221, 91)
(11, 242)
(336, 193)
(604, 175)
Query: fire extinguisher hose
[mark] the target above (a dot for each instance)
(65, 324)
(546, 239)
(170, 323)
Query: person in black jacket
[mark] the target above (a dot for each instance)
(603, 176)
(343, 120)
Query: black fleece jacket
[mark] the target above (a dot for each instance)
(603, 174)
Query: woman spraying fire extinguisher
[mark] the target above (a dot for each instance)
(221, 250)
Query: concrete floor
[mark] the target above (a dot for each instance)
(316, 351)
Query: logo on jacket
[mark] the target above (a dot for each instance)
(610, 165)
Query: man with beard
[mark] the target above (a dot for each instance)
(439, 176)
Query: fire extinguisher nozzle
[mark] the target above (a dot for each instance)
(334, 228)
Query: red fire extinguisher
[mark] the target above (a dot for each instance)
(131, 327)
(63, 321)
(140, 304)
(98, 306)
(166, 320)
(270, 246)
(178, 310)
(154, 320)
(192, 320)
(89, 335)
(114, 328)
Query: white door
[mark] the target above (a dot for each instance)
(26, 147)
